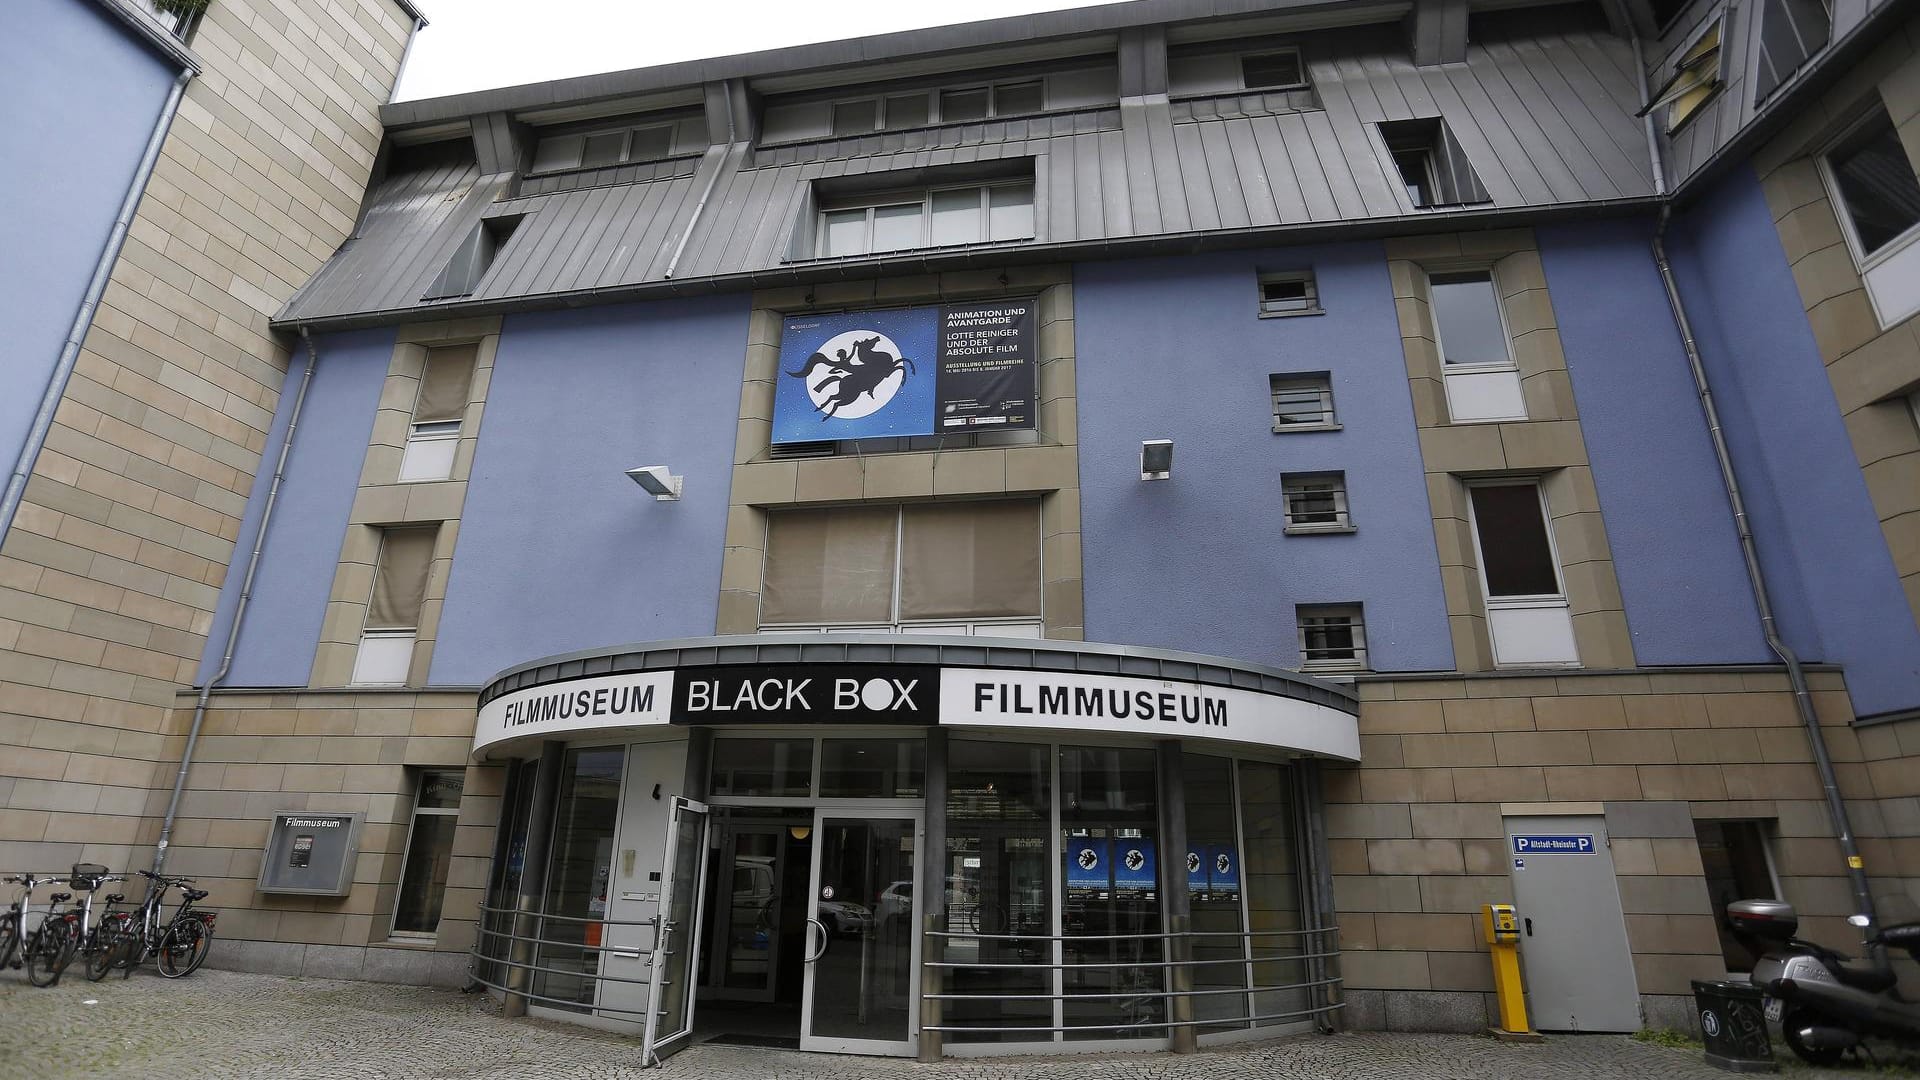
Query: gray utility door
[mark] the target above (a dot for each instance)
(1573, 939)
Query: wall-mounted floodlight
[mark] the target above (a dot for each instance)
(1156, 459)
(658, 482)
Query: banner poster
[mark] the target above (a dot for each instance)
(1197, 871)
(1089, 870)
(1223, 872)
(1135, 873)
(896, 372)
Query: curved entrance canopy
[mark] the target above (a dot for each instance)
(904, 679)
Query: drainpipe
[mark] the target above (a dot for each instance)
(713, 180)
(1646, 94)
(240, 609)
(1823, 761)
(406, 54)
(83, 319)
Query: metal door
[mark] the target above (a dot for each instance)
(1573, 938)
(863, 951)
(676, 944)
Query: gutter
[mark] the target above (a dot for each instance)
(240, 609)
(83, 319)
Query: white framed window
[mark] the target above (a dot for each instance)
(1333, 637)
(1302, 401)
(1526, 598)
(385, 655)
(919, 108)
(1482, 380)
(1876, 196)
(429, 854)
(446, 382)
(939, 217)
(969, 568)
(608, 146)
(1699, 74)
(1280, 69)
(1291, 292)
(1316, 502)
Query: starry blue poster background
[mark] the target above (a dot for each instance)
(914, 330)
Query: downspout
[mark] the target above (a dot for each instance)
(83, 319)
(406, 54)
(240, 609)
(1646, 93)
(1823, 761)
(726, 87)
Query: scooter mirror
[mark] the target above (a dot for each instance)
(1858, 920)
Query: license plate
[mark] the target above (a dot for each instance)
(1773, 1010)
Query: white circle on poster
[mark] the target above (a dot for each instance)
(854, 374)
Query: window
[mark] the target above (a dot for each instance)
(473, 258)
(1333, 637)
(423, 873)
(856, 117)
(1316, 502)
(1875, 182)
(618, 146)
(1281, 70)
(1431, 164)
(977, 214)
(1481, 380)
(1790, 31)
(1290, 293)
(982, 102)
(1302, 402)
(1734, 856)
(393, 609)
(1697, 76)
(1527, 616)
(441, 404)
(965, 567)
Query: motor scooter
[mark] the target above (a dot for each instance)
(1825, 1001)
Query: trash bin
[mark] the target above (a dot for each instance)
(1734, 1024)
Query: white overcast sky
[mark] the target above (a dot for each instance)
(481, 44)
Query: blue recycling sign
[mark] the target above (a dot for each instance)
(1574, 844)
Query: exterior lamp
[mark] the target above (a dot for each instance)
(1156, 459)
(658, 482)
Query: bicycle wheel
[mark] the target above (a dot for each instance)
(183, 947)
(69, 946)
(44, 951)
(103, 948)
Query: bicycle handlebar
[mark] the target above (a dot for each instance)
(151, 876)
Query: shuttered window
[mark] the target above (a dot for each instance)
(1790, 31)
(970, 560)
(400, 579)
(445, 385)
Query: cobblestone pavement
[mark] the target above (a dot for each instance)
(219, 1024)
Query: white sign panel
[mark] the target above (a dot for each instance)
(639, 699)
(1164, 708)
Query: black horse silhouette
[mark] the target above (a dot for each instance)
(853, 374)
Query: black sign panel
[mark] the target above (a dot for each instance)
(807, 694)
(986, 366)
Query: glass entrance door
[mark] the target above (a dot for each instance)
(862, 941)
(670, 1001)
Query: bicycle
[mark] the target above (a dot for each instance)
(180, 947)
(43, 952)
(99, 942)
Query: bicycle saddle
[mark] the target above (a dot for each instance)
(62, 897)
(116, 898)
(196, 895)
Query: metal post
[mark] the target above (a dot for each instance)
(1177, 904)
(533, 876)
(699, 764)
(1316, 875)
(933, 894)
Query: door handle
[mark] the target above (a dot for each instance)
(825, 937)
(1529, 923)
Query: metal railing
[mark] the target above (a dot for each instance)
(1158, 1008)
(515, 945)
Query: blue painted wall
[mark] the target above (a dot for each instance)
(310, 518)
(1172, 348)
(1826, 560)
(558, 550)
(1668, 522)
(82, 96)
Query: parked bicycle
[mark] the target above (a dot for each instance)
(180, 945)
(43, 951)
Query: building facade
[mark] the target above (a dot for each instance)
(1243, 485)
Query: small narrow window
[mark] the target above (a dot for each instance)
(1696, 77)
(962, 105)
(1333, 637)
(1875, 180)
(1432, 166)
(1316, 502)
(423, 874)
(1292, 293)
(1302, 402)
(1280, 70)
(855, 117)
(1515, 550)
(445, 385)
(393, 609)
(1466, 318)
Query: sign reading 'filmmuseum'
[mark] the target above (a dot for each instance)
(917, 694)
(906, 371)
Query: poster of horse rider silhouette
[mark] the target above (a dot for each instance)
(950, 369)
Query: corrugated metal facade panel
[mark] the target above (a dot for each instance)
(1543, 117)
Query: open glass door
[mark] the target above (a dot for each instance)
(862, 945)
(676, 942)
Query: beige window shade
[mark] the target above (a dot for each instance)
(829, 566)
(446, 385)
(970, 560)
(400, 579)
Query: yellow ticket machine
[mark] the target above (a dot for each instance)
(1500, 927)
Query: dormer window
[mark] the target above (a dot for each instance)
(1278, 70)
(936, 217)
(607, 145)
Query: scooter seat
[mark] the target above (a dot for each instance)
(1865, 975)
